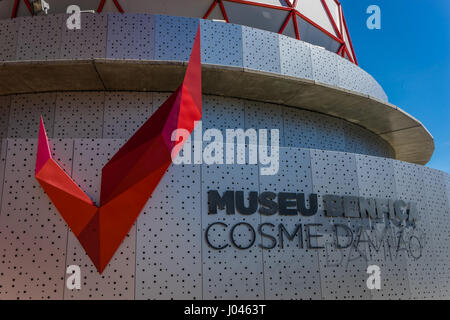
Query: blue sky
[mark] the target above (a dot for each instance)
(410, 58)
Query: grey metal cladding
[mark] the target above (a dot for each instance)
(39, 38)
(324, 66)
(87, 42)
(32, 232)
(174, 37)
(362, 141)
(336, 173)
(221, 43)
(261, 50)
(267, 116)
(422, 275)
(295, 58)
(131, 36)
(125, 112)
(160, 37)
(5, 106)
(79, 114)
(230, 273)
(3, 154)
(25, 111)
(223, 113)
(447, 181)
(299, 128)
(169, 238)
(8, 38)
(439, 225)
(117, 281)
(376, 179)
(329, 133)
(352, 77)
(291, 271)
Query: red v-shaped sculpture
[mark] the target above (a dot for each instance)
(129, 178)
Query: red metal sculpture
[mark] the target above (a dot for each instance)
(129, 178)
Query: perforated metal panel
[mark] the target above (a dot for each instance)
(333, 173)
(131, 36)
(173, 259)
(174, 37)
(39, 37)
(168, 261)
(160, 275)
(79, 115)
(221, 43)
(422, 276)
(25, 112)
(87, 42)
(295, 58)
(230, 273)
(8, 39)
(375, 177)
(361, 141)
(160, 97)
(146, 36)
(125, 112)
(342, 271)
(374, 89)
(261, 50)
(329, 133)
(32, 232)
(307, 129)
(439, 227)
(291, 272)
(409, 184)
(222, 113)
(267, 116)
(352, 77)
(447, 180)
(376, 180)
(324, 66)
(3, 153)
(117, 281)
(5, 102)
(299, 128)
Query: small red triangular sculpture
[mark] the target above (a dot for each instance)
(129, 178)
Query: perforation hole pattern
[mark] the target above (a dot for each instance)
(221, 43)
(158, 37)
(79, 115)
(172, 246)
(290, 272)
(174, 37)
(295, 58)
(39, 38)
(261, 50)
(324, 66)
(168, 263)
(8, 39)
(33, 234)
(131, 36)
(117, 281)
(87, 42)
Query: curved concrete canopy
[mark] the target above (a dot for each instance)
(410, 140)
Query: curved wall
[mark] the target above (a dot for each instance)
(165, 255)
(117, 114)
(157, 37)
